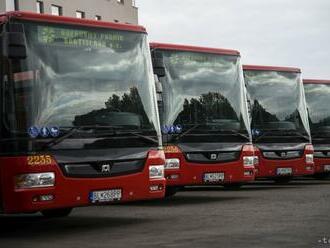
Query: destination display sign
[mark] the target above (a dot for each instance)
(60, 36)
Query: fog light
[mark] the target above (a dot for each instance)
(156, 188)
(174, 176)
(46, 197)
(248, 173)
(35, 180)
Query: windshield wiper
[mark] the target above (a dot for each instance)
(273, 132)
(115, 130)
(213, 132)
(187, 132)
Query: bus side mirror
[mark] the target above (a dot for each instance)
(158, 63)
(15, 42)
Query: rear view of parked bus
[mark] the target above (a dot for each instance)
(280, 127)
(318, 99)
(204, 117)
(79, 119)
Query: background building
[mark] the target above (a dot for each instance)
(123, 11)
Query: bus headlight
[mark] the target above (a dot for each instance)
(35, 180)
(248, 160)
(156, 171)
(172, 163)
(309, 158)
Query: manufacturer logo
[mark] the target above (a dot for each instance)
(106, 168)
(283, 154)
(213, 156)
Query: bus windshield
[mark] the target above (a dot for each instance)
(278, 106)
(205, 94)
(318, 99)
(76, 76)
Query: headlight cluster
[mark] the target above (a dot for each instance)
(172, 163)
(35, 180)
(309, 158)
(156, 171)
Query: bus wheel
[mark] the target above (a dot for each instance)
(56, 213)
(283, 180)
(322, 176)
(171, 191)
(233, 186)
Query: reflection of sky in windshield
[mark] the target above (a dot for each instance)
(90, 86)
(277, 97)
(318, 100)
(276, 92)
(190, 75)
(76, 80)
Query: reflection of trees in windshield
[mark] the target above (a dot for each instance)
(210, 109)
(263, 119)
(260, 115)
(278, 100)
(72, 81)
(126, 110)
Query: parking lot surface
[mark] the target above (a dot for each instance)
(261, 214)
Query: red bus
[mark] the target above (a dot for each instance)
(204, 116)
(79, 119)
(280, 127)
(317, 94)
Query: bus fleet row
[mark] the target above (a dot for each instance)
(93, 114)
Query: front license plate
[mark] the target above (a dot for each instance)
(214, 177)
(105, 196)
(284, 171)
(327, 168)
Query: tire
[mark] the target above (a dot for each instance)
(171, 191)
(56, 213)
(282, 180)
(233, 186)
(322, 176)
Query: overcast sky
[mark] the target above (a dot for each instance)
(270, 32)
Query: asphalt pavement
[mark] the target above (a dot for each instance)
(261, 214)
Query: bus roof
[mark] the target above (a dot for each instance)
(176, 47)
(69, 20)
(270, 68)
(316, 81)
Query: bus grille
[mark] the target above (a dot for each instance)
(212, 157)
(102, 169)
(282, 155)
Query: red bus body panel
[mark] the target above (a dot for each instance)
(267, 168)
(30, 16)
(73, 192)
(192, 173)
(320, 163)
(185, 48)
(270, 68)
